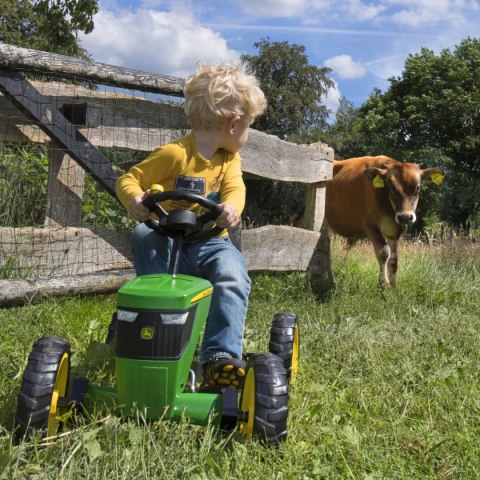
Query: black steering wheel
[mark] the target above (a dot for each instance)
(171, 223)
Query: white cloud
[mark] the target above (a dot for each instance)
(162, 42)
(363, 11)
(309, 10)
(345, 67)
(273, 8)
(417, 13)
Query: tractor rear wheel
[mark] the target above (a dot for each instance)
(285, 341)
(44, 386)
(264, 399)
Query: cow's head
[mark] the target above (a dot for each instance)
(402, 182)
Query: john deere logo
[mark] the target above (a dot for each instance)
(147, 333)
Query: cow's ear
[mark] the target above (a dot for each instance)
(376, 175)
(435, 175)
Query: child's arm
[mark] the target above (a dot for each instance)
(232, 194)
(131, 194)
(132, 187)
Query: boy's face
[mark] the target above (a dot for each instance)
(237, 133)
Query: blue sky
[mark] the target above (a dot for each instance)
(364, 42)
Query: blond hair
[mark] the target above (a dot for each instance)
(216, 93)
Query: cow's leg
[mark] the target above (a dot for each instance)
(382, 252)
(393, 262)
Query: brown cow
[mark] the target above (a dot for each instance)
(376, 197)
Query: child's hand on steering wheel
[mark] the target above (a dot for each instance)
(137, 209)
(229, 217)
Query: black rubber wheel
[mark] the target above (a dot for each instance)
(285, 341)
(264, 399)
(44, 383)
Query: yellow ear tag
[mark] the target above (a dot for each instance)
(156, 188)
(378, 181)
(437, 178)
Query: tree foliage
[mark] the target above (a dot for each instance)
(435, 103)
(48, 25)
(343, 134)
(294, 90)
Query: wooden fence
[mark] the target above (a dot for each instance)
(72, 121)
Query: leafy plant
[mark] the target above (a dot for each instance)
(23, 185)
(100, 209)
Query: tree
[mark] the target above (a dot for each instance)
(48, 25)
(293, 89)
(343, 135)
(16, 25)
(433, 105)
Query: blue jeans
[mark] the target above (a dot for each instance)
(216, 260)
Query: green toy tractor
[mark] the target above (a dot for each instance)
(158, 328)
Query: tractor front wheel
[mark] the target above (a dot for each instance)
(44, 386)
(264, 399)
(285, 341)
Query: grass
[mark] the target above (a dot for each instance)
(388, 386)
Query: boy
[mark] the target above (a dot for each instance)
(221, 102)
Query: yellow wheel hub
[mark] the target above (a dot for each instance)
(247, 404)
(59, 390)
(295, 353)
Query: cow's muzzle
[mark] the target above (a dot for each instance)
(405, 218)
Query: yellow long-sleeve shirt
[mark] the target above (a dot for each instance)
(179, 166)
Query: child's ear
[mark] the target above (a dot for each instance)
(232, 123)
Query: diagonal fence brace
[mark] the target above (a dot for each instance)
(40, 109)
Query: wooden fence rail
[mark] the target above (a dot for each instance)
(85, 119)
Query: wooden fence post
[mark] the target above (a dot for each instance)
(65, 189)
(320, 266)
(314, 206)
